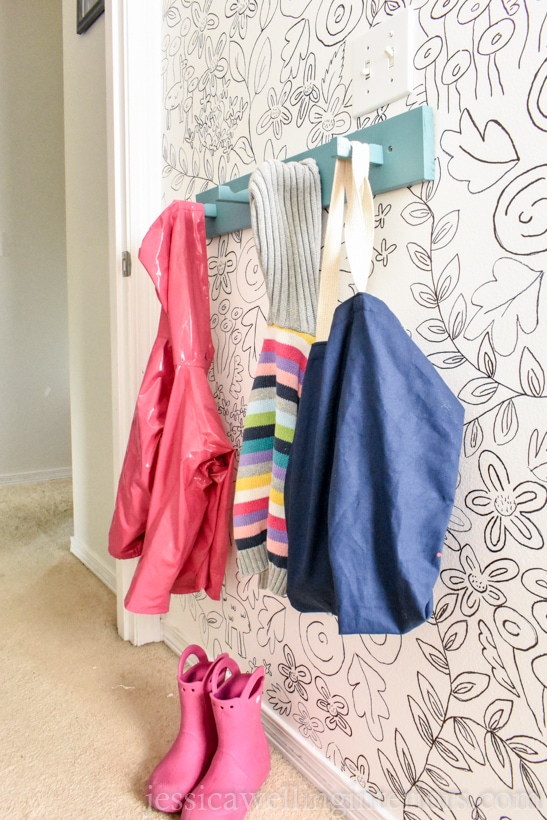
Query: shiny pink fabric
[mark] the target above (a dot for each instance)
(175, 490)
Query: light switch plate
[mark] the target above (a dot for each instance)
(382, 63)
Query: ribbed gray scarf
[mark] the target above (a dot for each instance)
(285, 200)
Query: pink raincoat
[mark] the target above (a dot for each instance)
(175, 490)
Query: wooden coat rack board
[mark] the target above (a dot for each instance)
(402, 153)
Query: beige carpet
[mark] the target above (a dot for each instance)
(84, 716)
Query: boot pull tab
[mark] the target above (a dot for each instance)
(253, 687)
(216, 675)
(193, 649)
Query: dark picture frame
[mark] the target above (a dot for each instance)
(87, 12)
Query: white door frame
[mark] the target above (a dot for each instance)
(134, 97)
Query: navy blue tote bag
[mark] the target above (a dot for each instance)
(374, 462)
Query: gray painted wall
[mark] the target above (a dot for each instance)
(34, 393)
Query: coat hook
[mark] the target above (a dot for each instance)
(343, 151)
(225, 194)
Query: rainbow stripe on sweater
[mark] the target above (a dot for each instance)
(260, 528)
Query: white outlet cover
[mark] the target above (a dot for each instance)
(375, 81)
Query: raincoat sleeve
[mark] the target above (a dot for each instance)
(126, 535)
(187, 538)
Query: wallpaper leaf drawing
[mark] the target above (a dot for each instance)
(421, 721)
(469, 685)
(279, 699)
(536, 98)
(458, 523)
(455, 636)
(426, 725)
(383, 648)
(535, 581)
(267, 11)
(430, 698)
(532, 376)
(535, 789)
(479, 390)
(433, 330)
(237, 61)
(329, 116)
(272, 622)
(447, 359)
(444, 230)
(368, 687)
(479, 158)
(255, 322)
(420, 256)
(247, 589)
(448, 279)
(499, 757)
(507, 304)
(434, 656)
(359, 771)
(537, 455)
(259, 67)
(458, 317)
(492, 656)
(295, 50)
(423, 293)
(466, 734)
(506, 424)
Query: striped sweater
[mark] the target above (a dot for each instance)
(286, 216)
(259, 509)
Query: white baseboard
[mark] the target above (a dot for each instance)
(344, 795)
(35, 476)
(174, 639)
(93, 562)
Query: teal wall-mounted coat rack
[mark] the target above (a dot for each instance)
(402, 153)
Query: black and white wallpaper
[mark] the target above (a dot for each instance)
(449, 721)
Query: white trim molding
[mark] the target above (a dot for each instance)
(35, 476)
(93, 562)
(340, 793)
(138, 629)
(133, 48)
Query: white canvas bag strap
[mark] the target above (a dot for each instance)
(351, 180)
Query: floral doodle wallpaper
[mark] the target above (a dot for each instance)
(449, 721)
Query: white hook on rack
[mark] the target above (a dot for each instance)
(343, 151)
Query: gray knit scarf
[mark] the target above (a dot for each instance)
(285, 200)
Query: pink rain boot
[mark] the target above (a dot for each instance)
(190, 755)
(242, 760)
